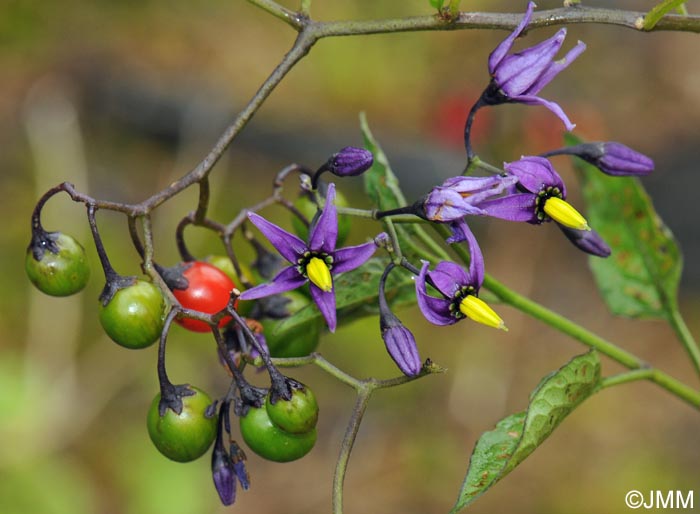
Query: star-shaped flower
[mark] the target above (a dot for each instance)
(458, 288)
(315, 262)
(520, 76)
(540, 196)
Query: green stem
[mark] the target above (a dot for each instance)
(351, 431)
(581, 334)
(562, 324)
(395, 245)
(686, 338)
(282, 13)
(627, 376)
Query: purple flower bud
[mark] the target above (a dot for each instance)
(350, 162)
(613, 158)
(223, 474)
(588, 241)
(401, 346)
(399, 341)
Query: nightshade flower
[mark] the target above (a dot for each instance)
(540, 196)
(612, 158)
(315, 262)
(459, 289)
(520, 76)
(399, 341)
(460, 196)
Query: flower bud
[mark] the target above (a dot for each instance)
(399, 341)
(615, 159)
(350, 162)
(223, 474)
(588, 241)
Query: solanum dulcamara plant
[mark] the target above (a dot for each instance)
(268, 315)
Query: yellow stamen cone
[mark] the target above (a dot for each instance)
(562, 212)
(319, 274)
(479, 311)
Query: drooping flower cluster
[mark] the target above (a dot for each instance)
(526, 190)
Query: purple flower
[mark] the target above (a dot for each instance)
(315, 262)
(350, 162)
(540, 196)
(399, 341)
(588, 241)
(458, 289)
(460, 196)
(613, 158)
(520, 76)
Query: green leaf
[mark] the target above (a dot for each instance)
(640, 279)
(659, 11)
(437, 3)
(356, 294)
(383, 188)
(500, 450)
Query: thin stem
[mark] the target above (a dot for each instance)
(506, 21)
(468, 129)
(686, 337)
(287, 16)
(109, 272)
(351, 431)
(203, 203)
(627, 376)
(397, 256)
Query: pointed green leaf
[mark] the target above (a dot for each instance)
(640, 278)
(659, 11)
(500, 450)
(383, 188)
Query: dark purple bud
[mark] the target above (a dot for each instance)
(614, 158)
(238, 458)
(222, 470)
(399, 341)
(350, 162)
(588, 241)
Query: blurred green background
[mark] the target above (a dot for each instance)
(121, 98)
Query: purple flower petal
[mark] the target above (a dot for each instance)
(518, 72)
(476, 263)
(504, 47)
(535, 173)
(444, 205)
(554, 107)
(288, 245)
(554, 68)
(518, 207)
(435, 310)
(448, 278)
(286, 280)
(458, 228)
(351, 257)
(324, 233)
(326, 304)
